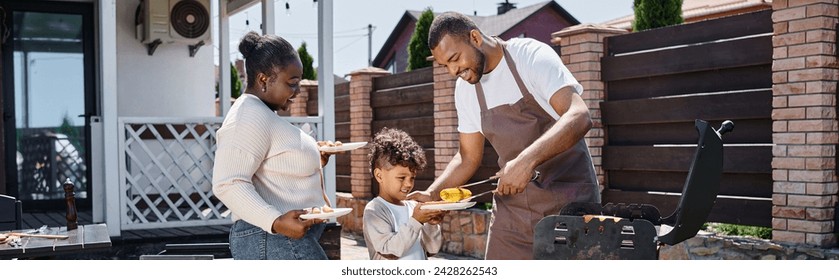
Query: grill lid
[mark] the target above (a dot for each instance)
(701, 187)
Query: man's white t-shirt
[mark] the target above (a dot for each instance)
(541, 70)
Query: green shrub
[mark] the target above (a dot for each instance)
(651, 14)
(309, 72)
(418, 49)
(235, 83)
(740, 230)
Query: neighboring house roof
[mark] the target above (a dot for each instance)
(696, 10)
(491, 25)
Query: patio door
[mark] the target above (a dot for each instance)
(48, 96)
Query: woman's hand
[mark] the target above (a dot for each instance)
(289, 224)
(324, 156)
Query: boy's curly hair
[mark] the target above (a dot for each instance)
(393, 147)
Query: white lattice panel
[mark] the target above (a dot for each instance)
(166, 171)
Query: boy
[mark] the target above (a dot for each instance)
(395, 228)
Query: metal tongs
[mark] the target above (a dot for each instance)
(479, 182)
(536, 175)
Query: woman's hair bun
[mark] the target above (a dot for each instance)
(248, 43)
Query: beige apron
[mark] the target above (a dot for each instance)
(565, 178)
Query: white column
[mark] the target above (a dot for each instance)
(326, 88)
(109, 97)
(268, 11)
(224, 58)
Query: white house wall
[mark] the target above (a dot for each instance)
(167, 84)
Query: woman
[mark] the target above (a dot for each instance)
(266, 169)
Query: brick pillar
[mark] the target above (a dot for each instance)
(446, 139)
(300, 106)
(582, 47)
(361, 118)
(804, 125)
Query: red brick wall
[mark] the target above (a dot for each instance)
(582, 47)
(804, 121)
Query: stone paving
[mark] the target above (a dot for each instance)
(355, 249)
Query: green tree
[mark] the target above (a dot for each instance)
(72, 132)
(418, 49)
(309, 72)
(651, 14)
(235, 83)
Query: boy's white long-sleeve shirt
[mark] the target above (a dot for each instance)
(385, 243)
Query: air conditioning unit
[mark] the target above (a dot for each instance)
(174, 21)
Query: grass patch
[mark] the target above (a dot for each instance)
(740, 230)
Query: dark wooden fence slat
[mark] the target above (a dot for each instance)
(342, 164)
(415, 77)
(746, 131)
(704, 31)
(740, 105)
(728, 54)
(342, 183)
(726, 210)
(738, 159)
(403, 96)
(404, 111)
(735, 184)
(412, 126)
(342, 99)
(717, 80)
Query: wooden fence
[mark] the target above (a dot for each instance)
(659, 81)
(406, 101)
(342, 132)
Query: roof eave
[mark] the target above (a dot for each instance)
(391, 39)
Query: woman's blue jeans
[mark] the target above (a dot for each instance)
(249, 242)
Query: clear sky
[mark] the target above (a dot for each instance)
(351, 17)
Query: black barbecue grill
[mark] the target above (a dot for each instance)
(635, 231)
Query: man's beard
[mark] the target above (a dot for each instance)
(481, 61)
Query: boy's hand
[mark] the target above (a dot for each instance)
(425, 215)
(436, 220)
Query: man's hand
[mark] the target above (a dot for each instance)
(420, 196)
(289, 224)
(514, 178)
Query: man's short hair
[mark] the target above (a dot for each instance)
(452, 23)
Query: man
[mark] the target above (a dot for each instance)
(519, 96)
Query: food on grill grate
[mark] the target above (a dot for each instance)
(454, 194)
(587, 218)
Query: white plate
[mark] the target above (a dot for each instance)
(338, 212)
(448, 206)
(343, 147)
